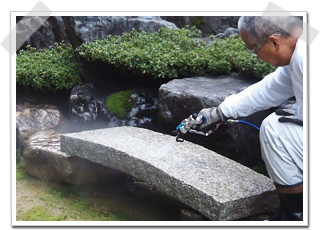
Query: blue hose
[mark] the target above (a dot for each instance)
(244, 122)
(248, 123)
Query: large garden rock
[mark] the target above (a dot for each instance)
(217, 187)
(43, 32)
(87, 106)
(33, 116)
(227, 33)
(181, 97)
(44, 160)
(90, 28)
(40, 32)
(144, 108)
(209, 25)
(218, 24)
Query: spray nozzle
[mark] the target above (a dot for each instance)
(193, 122)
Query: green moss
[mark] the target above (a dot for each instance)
(88, 212)
(119, 104)
(79, 205)
(39, 213)
(20, 170)
(63, 202)
(66, 191)
(70, 205)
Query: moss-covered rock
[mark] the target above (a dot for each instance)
(119, 104)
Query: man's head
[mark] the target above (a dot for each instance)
(271, 38)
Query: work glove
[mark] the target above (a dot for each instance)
(213, 115)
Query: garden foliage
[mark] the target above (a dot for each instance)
(49, 69)
(173, 53)
(167, 53)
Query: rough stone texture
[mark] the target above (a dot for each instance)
(89, 28)
(209, 25)
(33, 116)
(217, 187)
(181, 97)
(85, 106)
(218, 24)
(230, 31)
(47, 31)
(44, 160)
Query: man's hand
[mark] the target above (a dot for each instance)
(212, 116)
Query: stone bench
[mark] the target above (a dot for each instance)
(215, 186)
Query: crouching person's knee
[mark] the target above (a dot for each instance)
(282, 150)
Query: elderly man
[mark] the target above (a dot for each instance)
(274, 40)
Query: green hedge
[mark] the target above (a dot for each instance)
(233, 51)
(173, 53)
(167, 53)
(48, 69)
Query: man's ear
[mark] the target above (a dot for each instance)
(275, 41)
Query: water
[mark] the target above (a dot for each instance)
(165, 150)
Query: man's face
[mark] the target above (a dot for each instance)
(266, 51)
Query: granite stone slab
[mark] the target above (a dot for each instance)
(217, 187)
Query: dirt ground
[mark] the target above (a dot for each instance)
(114, 201)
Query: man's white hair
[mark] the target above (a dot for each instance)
(260, 27)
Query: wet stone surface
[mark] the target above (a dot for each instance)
(215, 186)
(181, 97)
(44, 160)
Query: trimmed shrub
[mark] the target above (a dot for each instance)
(49, 69)
(233, 51)
(158, 54)
(173, 53)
